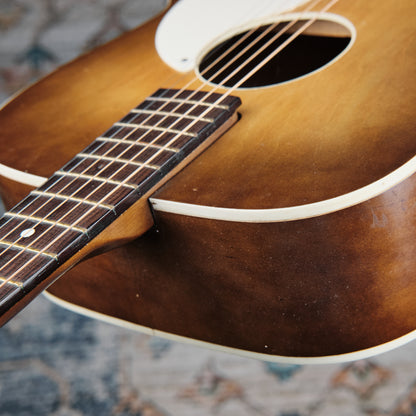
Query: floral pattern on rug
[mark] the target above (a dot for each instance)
(55, 362)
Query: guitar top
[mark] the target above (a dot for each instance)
(291, 235)
(332, 132)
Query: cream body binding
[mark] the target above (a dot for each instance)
(357, 355)
(323, 207)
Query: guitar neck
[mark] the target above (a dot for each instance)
(54, 223)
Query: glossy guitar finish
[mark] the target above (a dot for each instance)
(310, 250)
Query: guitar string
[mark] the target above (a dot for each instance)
(217, 102)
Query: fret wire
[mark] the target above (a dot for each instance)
(186, 101)
(73, 198)
(115, 159)
(167, 114)
(26, 248)
(98, 178)
(162, 129)
(154, 146)
(31, 217)
(11, 282)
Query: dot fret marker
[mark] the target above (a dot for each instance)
(27, 233)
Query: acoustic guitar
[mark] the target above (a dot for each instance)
(292, 235)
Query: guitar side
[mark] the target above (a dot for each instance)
(306, 286)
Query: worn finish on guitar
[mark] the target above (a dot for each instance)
(319, 286)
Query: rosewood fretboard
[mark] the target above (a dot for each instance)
(79, 201)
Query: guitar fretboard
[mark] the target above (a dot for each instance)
(80, 200)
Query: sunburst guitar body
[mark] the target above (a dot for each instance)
(293, 236)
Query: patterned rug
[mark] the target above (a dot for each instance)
(54, 362)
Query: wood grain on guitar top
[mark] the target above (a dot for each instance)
(321, 286)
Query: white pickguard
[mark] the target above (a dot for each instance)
(190, 25)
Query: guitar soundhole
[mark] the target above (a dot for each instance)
(319, 45)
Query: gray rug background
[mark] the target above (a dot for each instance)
(54, 362)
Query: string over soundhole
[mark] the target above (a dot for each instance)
(305, 43)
